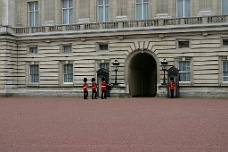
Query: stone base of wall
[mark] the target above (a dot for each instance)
(199, 92)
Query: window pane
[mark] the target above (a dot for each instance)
(33, 49)
(106, 2)
(224, 6)
(187, 8)
(68, 73)
(138, 1)
(104, 66)
(36, 6)
(184, 70)
(36, 19)
(67, 49)
(145, 11)
(65, 16)
(31, 7)
(225, 71)
(100, 14)
(103, 47)
(138, 12)
(100, 2)
(106, 13)
(34, 73)
(180, 8)
(65, 3)
(70, 16)
(70, 3)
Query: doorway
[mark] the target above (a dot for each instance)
(143, 75)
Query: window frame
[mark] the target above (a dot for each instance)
(105, 6)
(185, 72)
(34, 14)
(67, 45)
(179, 43)
(144, 10)
(68, 73)
(223, 44)
(31, 75)
(68, 19)
(184, 6)
(98, 44)
(177, 64)
(225, 61)
(31, 47)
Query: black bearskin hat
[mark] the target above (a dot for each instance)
(93, 79)
(103, 79)
(85, 80)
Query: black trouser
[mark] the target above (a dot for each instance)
(172, 93)
(103, 94)
(85, 94)
(94, 94)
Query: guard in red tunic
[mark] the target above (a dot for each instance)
(85, 88)
(171, 87)
(94, 89)
(103, 88)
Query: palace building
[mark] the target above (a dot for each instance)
(47, 47)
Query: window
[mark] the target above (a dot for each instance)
(68, 73)
(184, 70)
(225, 42)
(104, 66)
(183, 44)
(34, 73)
(33, 50)
(103, 47)
(33, 14)
(67, 11)
(183, 8)
(225, 71)
(142, 9)
(224, 6)
(67, 49)
(103, 10)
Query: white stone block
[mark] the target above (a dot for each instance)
(121, 18)
(162, 16)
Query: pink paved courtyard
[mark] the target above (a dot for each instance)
(113, 125)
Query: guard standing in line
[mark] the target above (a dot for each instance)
(171, 87)
(85, 88)
(94, 89)
(103, 88)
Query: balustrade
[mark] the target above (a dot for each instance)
(124, 24)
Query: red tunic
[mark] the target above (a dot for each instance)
(94, 86)
(171, 85)
(103, 86)
(85, 87)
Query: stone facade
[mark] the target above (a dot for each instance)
(138, 45)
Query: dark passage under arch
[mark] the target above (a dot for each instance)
(143, 76)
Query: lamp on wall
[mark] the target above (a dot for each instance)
(116, 67)
(164, 63)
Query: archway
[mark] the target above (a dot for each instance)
(142, 75)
